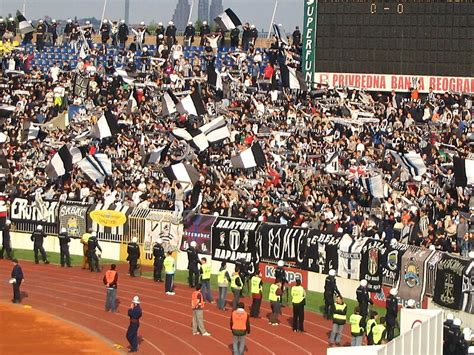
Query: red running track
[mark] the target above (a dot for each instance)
(165, 328)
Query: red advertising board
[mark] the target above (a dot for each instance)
(268, 274)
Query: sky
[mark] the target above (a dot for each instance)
(259, 12)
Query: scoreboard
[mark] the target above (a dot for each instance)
(406, 37)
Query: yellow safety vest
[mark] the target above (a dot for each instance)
(272, 296)
(297, 294)
(377, 332)
(233, 284)
(356, 329)
(221, 279)
(255, 285)
(169, 265)
(206, 271)
(370, 324)
(339, 308)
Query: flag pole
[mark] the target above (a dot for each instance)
(273, 19)
(190, 12)
(24, 7)
(103, 13)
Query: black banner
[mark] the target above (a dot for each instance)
(468, 289)
(73, 217)
(280, 242)
(449, 281)
(321, 251)
(371, 266)
(234, 239)
(26, 215)
(200, 231)
(391, 262)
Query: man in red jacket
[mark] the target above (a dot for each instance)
(240, 326)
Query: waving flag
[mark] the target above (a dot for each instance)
(192, 105)
(228, 20)
(106, 126)
(97, 167)
(24, 26)
(182, 172)
(249, 158)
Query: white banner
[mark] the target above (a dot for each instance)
(389, 82)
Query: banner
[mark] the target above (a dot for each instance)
(449, 281)
(321, 251)
(112, 234)
(468, 289)
(234, 239)
(371, 266)
(380, 299)
(309, 40)
(389, 82)
(27, 215)
(268, 274)
(411, 284)
(350, 255)
(280, 242)
(73, 217)
(200, 231)
(391, 263)
(160, 224)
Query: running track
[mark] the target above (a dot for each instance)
(165, 327)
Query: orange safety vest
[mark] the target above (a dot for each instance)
(239, 320)
(197, 301)
(110, 276)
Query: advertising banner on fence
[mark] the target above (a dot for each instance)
(309, 39)
(200, 231)
(268, 274)
(391, 261)
(27, 215)
(106, 232)
(280, 242)
(389, 82)
(449, 281)
(350, 255)
(371, 266)
(234, 239)
(73, 217)
(321, 251)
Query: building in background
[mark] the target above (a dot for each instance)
(181, 14)
(216, 9)
(203, 10)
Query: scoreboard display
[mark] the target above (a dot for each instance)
(423, 37)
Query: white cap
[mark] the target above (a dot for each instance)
(11, 19)
(252, 26)
(122, 21)
(105, 20)
(158, 240)
(93, 234)
(449, 316)
(190, 23)
(134, 239)
(160, 36)
(193, 243)
(8, 222)
(40, 228)
(63, 230)
(457, 322)
(1, 20)
(332, 272)
(40, 21)
(160, 23)
(281, 263)
(88, 22)
(363, 283)
(53, 21)
(467, 330)
(142, 23)
(204, 22)
(394, 292)
(171, 23)
(411, 303)
(69, 20)
(136, 300)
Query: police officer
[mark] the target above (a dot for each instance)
(64, 248)
(6, 241)
(53, 29)
(170, 268)
(134, 313)
(92, 245)
(40, 32)
(203, 31)
(364, 299)
(256, 289)
(379, 332)
(193, 265)
(3, 27)
(159, 257)
(159, 31)
(133, 251)
(280, 275)
(189, 33)
(37, 238)
(298, 297)
(123, 33)
(68, 30)
(447, 332)
(246, 36)
(11, 26)
(391, 306)
(296, 36)
(105, 32)
(17, 278)
(170, 34)
(253, 35)
(236, 285)
(234, 37)
(357, 329)
(338, 321)
(330, 289)
(240, 326)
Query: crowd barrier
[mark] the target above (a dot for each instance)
(416, 272)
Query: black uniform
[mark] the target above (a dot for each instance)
(160, 30)
(447, 335)
(189, 33)
(123, 33)
(204, 30)
(170, 35)
(37, 238)
(3, 28)
(193, 262)
(11, 26)
(234, 37)
(53, 29)
(6, 243)
(159, 255)
(280, 275)
(105, 33)
(330, 290)
(133, 251)
(92, 244)
(40, 32)
(64, 249)
(391, 316)
(296, 37)
(17, 274)
(364, 299)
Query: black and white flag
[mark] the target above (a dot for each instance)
(374, 185)
(84, 51)
(182, 172)
(168, 103)
(32, 131)
(106, 126)
(97, 167)
(6, 110)
(214, 77)
(411, 161)
(213, 132)
(292, 78)
(332, 163)
(463, 171)
(156, 156)
(127, 76)
(24, 26)
(60, 164)
(249, 158)
(192, 105)
(228, 20)
(280, 33)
